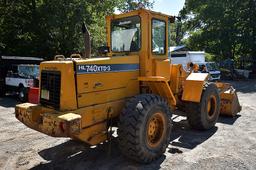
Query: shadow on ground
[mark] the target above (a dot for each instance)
(184, 137)
(228, 120)
(8, 101)
(76, 155)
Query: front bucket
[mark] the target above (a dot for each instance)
(230, 105)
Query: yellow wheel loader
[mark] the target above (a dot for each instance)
(133, 85)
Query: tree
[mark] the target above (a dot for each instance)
(40, 28)
(225, 28)
(44, 28)
(129, 5)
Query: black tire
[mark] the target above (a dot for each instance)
(203, 116)
(2, 89)
(138, 140)
(23, 94)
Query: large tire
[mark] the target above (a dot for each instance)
(204, 115)
(144, 128)
(23, 94)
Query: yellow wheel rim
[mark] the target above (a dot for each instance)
(211, 106)
(155, 129)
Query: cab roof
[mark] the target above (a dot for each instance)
(144, 10)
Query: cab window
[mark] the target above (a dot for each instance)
(158, 36)
(126, 34)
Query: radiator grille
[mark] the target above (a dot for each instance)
(51, 83)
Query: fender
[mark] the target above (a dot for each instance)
(159, 85)
(193, 87)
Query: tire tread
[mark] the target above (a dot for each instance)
(131, 120)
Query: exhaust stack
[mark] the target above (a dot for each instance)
(87, 41)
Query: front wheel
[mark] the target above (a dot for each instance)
(204, 115)
(144, 128)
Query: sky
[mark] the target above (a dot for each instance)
(170, 7)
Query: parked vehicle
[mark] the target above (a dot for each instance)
(9, 66)
(26, 77)
(211, 68)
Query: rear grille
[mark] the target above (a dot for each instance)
(51, 83)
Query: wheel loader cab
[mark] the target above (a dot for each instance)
(143, 33)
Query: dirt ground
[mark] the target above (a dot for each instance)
(229, 145)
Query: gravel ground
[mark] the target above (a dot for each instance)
(229, 145)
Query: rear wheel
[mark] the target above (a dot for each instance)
(144, 128)
(23, 94)
(204, 115)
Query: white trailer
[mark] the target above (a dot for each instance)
(188, 56)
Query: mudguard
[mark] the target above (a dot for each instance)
(193, 87)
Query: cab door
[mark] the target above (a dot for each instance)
(159, 46)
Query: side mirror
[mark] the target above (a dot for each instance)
(172, 19)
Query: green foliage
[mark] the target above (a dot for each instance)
(176, 33)
(172, 34)
(209, 57)
(44, 28)
(224, 28)
(129, 5)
